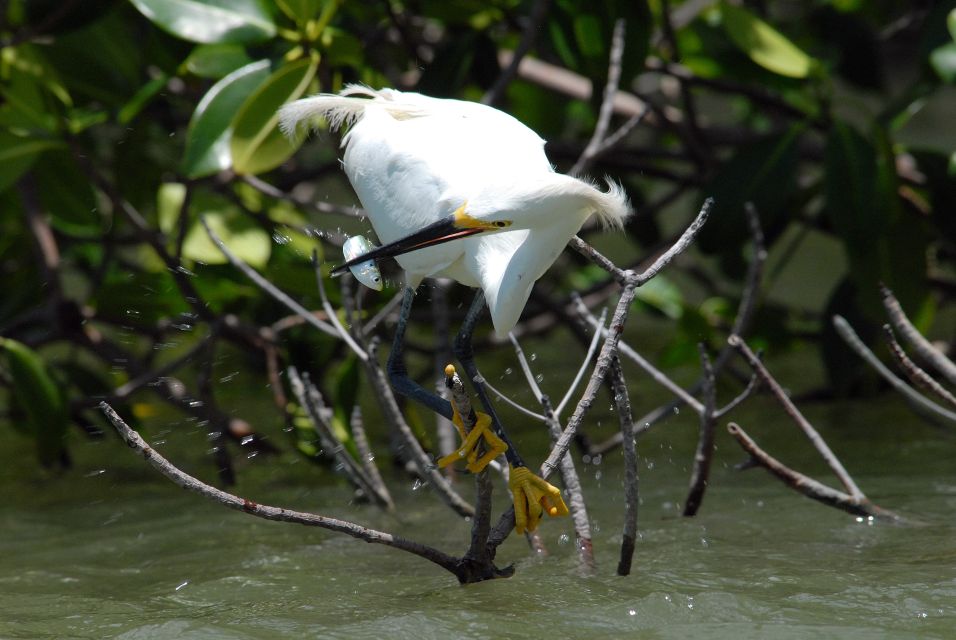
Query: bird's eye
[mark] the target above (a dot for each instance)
(501, 223)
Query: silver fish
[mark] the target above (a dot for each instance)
(365, 272)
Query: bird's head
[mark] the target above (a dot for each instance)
(459, 224)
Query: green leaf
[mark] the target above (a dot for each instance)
(943, 61)
(141, 98)
(207, 139)
(250, 243)
(300, 10)
(951, 23)
(882, 243)
(765, 45)
(66, 193)
(216, 60)
(17, 155)
(209, 21)
(257, 145)
(763, 173)
(169, 203)
(40, 397)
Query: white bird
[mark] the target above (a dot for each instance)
(457, 189)
(465, 191)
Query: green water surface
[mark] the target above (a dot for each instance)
(113, 550)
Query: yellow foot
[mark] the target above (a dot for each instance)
(533, 496)
(494, 446)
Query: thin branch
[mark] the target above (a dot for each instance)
(625, 418)
(314, 405)
(916, 375)
(366, 458)
(515, 405)
(267, 286)
(806, 485)
(607, 101)
(569, 475)
(184, 480)
(923, 348)
(331, 314)
(791, 409)
(704, 454)
(600, 331)
(922, 405)
(317, 205)
(535, 19)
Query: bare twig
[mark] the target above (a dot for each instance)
(857, 505)
(366, 457)
(622, 403)
(922, 405)
(923, 348)
(319, 414)
(705, 440)
(916, 375)
(569, 475)
(184, 480)
(330, 312)
(599, 332)
(539, 12)
(317, 205)
(607, 101)
(267, 286)
(818, 442)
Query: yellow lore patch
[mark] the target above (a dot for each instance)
(465, 221)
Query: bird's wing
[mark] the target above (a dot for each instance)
(508, 264)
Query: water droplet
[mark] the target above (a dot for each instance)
(676, 410)
(182, 585)
(247, 440)
(281, 238)
(508, 371)
(539, 378)
(564, 539)
(631, 612)
(418, 484)
(534, 356)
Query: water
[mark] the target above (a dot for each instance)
(112, 550)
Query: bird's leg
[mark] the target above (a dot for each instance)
(532, 495)
(466, 356)
(398, 374)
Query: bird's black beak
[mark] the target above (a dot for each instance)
(454, 227)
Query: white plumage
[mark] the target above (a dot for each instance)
(414, 160)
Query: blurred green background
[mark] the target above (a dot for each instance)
(122, 122)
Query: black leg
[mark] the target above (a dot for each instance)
(398, 374)
(466, 356)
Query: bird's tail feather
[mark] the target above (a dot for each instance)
(342, 109)
(612, 206)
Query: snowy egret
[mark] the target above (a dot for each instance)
(460, 190)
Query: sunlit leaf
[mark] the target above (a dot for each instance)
(207, 139)
(169, 203)
(256, 144)
(216, 60)
(211, 20)
(765, 45)
(943, 61)
(247, 241)
(951, 23)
